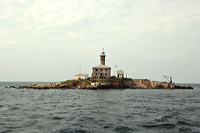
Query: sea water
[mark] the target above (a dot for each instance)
(99, 111)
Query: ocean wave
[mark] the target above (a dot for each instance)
(163, 125)
(123, 129)
(71, 131)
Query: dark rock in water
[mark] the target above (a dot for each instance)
(182, 87)
(11, 87)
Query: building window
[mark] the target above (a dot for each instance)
(101, 69)
(96, 69)
(106, 69)
(96, 73)
(106, 74)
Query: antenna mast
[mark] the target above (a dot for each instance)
(80, 68)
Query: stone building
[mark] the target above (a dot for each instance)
(101, 71)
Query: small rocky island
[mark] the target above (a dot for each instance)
(101, 79)
(111, 83)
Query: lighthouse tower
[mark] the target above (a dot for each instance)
(102, 57)
(101, 71)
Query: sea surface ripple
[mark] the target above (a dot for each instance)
(99, 111)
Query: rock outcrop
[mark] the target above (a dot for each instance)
(115, 83)
(147, 84)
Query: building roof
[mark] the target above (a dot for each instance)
(102, 66)
(120, 72)
(82, 75)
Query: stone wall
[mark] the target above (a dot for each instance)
(145, 83)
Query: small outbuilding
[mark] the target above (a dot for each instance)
(120, 74)
(81, 76)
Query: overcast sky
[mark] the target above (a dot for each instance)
(46, 40)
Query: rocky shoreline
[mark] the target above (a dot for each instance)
(106, 84)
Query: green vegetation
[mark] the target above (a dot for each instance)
(87, 81)
(70, 82)
(74, 82)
